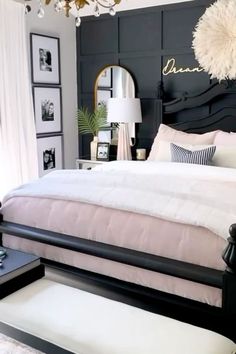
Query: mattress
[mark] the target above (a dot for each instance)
(121, 228)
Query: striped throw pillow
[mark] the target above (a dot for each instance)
(200, 157)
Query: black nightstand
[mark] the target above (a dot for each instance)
(18, 270)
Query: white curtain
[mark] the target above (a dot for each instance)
(18, 145)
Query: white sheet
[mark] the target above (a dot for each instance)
(191, 194)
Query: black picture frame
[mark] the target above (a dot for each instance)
(45, 59)
(102, 97)
(103, 149)
(47, 120)
(50, 153)
(105, 78)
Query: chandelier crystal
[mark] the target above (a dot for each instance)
(66, 6)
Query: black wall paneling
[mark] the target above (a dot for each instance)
(141, 32)
(99, 36)
(153, 44)
(177, 25)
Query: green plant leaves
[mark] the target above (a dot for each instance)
(91, 123)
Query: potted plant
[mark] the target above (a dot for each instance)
(91, 123)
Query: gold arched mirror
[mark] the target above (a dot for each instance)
(114, 81)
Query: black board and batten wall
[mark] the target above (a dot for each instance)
(142, 41)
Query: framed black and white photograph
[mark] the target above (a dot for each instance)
(47, 108)
(103, 97)
(105, 135)
(103, 151)
(104, 79)
(45, 59)
(49, 154)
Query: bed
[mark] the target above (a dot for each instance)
(121, 250)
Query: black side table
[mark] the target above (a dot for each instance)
(18, 270)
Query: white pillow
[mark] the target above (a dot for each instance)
(166, 133)
(225, 156)
(223, 138)
(164, 153)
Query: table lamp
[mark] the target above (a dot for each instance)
(124, 111)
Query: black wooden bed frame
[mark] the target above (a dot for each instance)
(194, 312)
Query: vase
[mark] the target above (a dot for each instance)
(93, 148)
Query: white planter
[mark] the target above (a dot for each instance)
(93, 148)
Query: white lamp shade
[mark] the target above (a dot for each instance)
(124, 110)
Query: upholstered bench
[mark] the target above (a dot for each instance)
(81, 322)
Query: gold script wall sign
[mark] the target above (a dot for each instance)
(171, 68)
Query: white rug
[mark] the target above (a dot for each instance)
(11, 346)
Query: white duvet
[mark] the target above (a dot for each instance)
(191, 194)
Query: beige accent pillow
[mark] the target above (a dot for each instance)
(166, 133)
(225, 156)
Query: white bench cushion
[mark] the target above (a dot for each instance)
(89, 324)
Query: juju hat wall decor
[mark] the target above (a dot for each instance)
(214, 40)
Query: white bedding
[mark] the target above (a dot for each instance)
(191, 194)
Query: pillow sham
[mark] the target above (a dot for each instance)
(164, 152)
(166, 133)
(199, 157)
(225, 156)
(224, 138)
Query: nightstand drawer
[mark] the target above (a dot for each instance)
(87, 164)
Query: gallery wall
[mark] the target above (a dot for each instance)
(154, 45)
(58, 25)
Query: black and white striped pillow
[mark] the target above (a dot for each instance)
(200, 157)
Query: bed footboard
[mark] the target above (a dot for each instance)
(219, 279)
(229, 277)
(176, 268)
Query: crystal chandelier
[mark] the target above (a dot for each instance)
(66, 6)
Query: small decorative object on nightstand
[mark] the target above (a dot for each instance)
(102, 152)
(141, 154)
(3, 253)
(83, 164)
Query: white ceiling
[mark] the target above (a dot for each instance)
(129, 5)
(124, 5)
